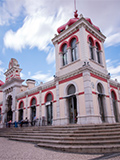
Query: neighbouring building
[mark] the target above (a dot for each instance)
(81, 92)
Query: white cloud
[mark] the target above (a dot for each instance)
(29, 73)
(114, 69)
(42, 77)
(113, 40)
(44, 17)
(22, 75)
(51, 56)
(2, 70)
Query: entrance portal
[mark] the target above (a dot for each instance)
(115, 106)
(101, 102)
(9, 113)
(49, 110)
(72, 104)
(33, 109)
(21, 111)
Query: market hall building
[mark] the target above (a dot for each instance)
(81, 91)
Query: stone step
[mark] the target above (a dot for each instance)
(65, 135)
(71, 131)
(63, 142)
(94, 149)
(66, 138)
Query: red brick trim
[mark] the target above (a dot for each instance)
(20, 98)
(49, 89)
(97, 77)
(80, 93)
(113, 87)
(33, 94)
(71, 78)
(93, 35)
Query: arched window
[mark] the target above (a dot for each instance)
(33, 102)
(21, 105)
(64, 56)
(73, 49)
(71, 89)
(49, 97)
(98, 52)
(91, 48)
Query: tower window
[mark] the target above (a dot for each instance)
(64, 56)
(91, 48)
(73, 49)
(98, 52)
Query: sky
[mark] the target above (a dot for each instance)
(27, 27)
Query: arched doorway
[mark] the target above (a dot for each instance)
(101, 101)
(49, 108)
(33, 109)
(72, 104)
(21, 111)
(115, 109)
(9, 109)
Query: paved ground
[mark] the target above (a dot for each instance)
(12, 150)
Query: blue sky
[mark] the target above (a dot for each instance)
(27, 27)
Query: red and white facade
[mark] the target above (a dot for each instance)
(81, 92)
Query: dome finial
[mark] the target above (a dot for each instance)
(75, 13)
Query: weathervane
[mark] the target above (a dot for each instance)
(75, 13)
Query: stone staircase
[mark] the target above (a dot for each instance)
(104, 138)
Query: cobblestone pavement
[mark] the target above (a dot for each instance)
(13, 150)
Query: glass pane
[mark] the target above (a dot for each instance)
(71, 89)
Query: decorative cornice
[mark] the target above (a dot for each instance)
(82, 22)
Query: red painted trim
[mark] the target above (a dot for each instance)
(80, 93)
(118, 100)
(49, 89)
(45, 98)
(93, 35)
(24, 108)
(33, 94)
(113, 87)
(32, 99)
(54, 101)
(1, 105)
(17, 75)
(98, 44)
(61, 46)
(100, 78)
(60, 98)
(37, 105)
(112, 90)
(89, 36)
(21, 98)
(11, 75)
(43, 104)
(94, 92)
(68, 36)
(69, 42)
(107, 96)
(28, 107)
(20, 103)
(71, 78)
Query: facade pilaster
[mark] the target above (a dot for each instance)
(90, 118)
(83, 44)
(69, 55)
